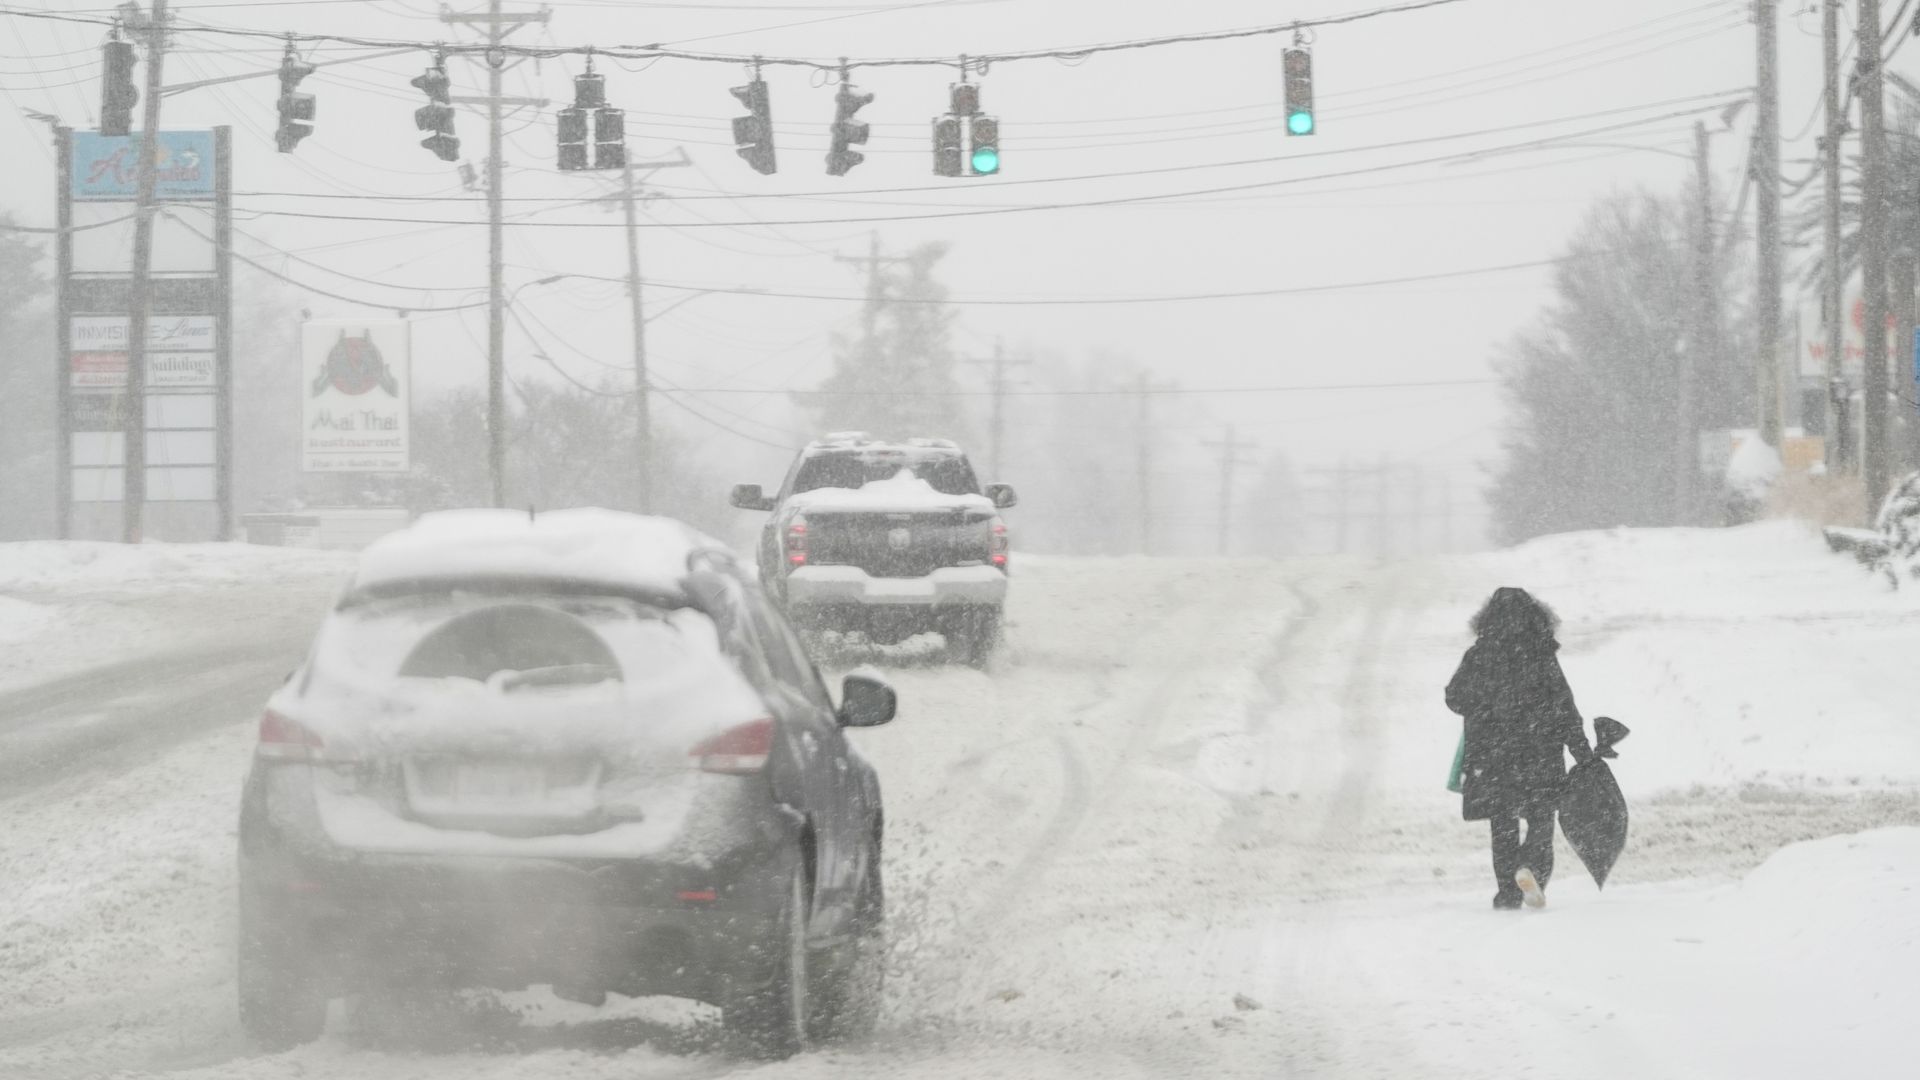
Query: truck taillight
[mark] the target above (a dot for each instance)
(285, 739)
(998, 547)
(737, 750)
(797, 542)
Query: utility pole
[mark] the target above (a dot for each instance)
(997, 423)
(876, 286)
(1342, 505)
(1766, 170)
(498, 26)
(1382, 508)
(134, 492)
(1230, 460)
(643, 416)
(643, 411)
(1705, 343)
(1873, 263)
(496, 273)
(1839, 394)
(1143, 390)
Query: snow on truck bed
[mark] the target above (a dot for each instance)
(900, 493)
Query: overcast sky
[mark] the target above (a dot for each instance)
(1108, 127)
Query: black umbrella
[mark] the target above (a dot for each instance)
(1593, 813)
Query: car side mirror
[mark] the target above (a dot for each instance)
(1002, 495)
(749, 497)
(866, 701)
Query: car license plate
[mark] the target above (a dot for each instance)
(498, 782)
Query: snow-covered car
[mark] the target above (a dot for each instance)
(889, 540)
(579, 749)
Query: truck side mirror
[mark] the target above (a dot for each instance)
(749, 497)
(1002, 495)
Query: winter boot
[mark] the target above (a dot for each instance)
(1530, 889)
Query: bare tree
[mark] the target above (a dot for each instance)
(1594, 384)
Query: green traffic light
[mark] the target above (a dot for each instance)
(986, 161)
(1300, 123)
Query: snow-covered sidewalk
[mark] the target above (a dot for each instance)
(70, 605)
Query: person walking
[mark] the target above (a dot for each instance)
(1519, 714)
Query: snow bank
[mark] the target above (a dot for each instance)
(586, 544)
(1802, 969)
(21, 620)
(1735, 655)
(46, 566)
(1753, 468)
(72, 605)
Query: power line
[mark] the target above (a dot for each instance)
(977, 62)
(653, 385)
(1171, 390)
(1125, 200)
(1711, 101)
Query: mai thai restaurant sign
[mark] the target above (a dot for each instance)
(356, 400)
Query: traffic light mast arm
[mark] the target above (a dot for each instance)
(268, 73)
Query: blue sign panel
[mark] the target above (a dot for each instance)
(104, 165)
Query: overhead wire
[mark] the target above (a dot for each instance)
(979, 61)
(984, 211)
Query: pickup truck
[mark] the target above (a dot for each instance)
(887, 540)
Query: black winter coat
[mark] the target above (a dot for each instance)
(1519, 713)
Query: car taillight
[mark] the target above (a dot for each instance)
(287, 739)
(797, 542)
(737, 750)
(998, 547)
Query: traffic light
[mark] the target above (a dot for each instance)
(573, 139)
(946, 146)
(984, 158)
(610, 138)
(117, 93)
(846, 132)
(753, 133)
(436, 115)
(296, 109)
(1297, 66)
(609, 127)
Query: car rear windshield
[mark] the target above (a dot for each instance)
(948, 474)
(517, 642)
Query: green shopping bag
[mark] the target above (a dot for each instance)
(1459, 764)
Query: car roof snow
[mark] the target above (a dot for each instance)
(581, 548)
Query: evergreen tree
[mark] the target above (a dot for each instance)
(897, 378)
(1593, 439)
(28, 399)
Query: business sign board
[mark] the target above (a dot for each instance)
(97, 410)
(182, 240)
(179, 352)
(106, 166)
(1853, 337)
(179, 370)
(356, 398)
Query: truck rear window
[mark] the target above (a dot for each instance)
(947, 474)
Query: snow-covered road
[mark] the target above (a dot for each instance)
(1193, 825)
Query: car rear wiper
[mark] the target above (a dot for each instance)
(557, 675)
